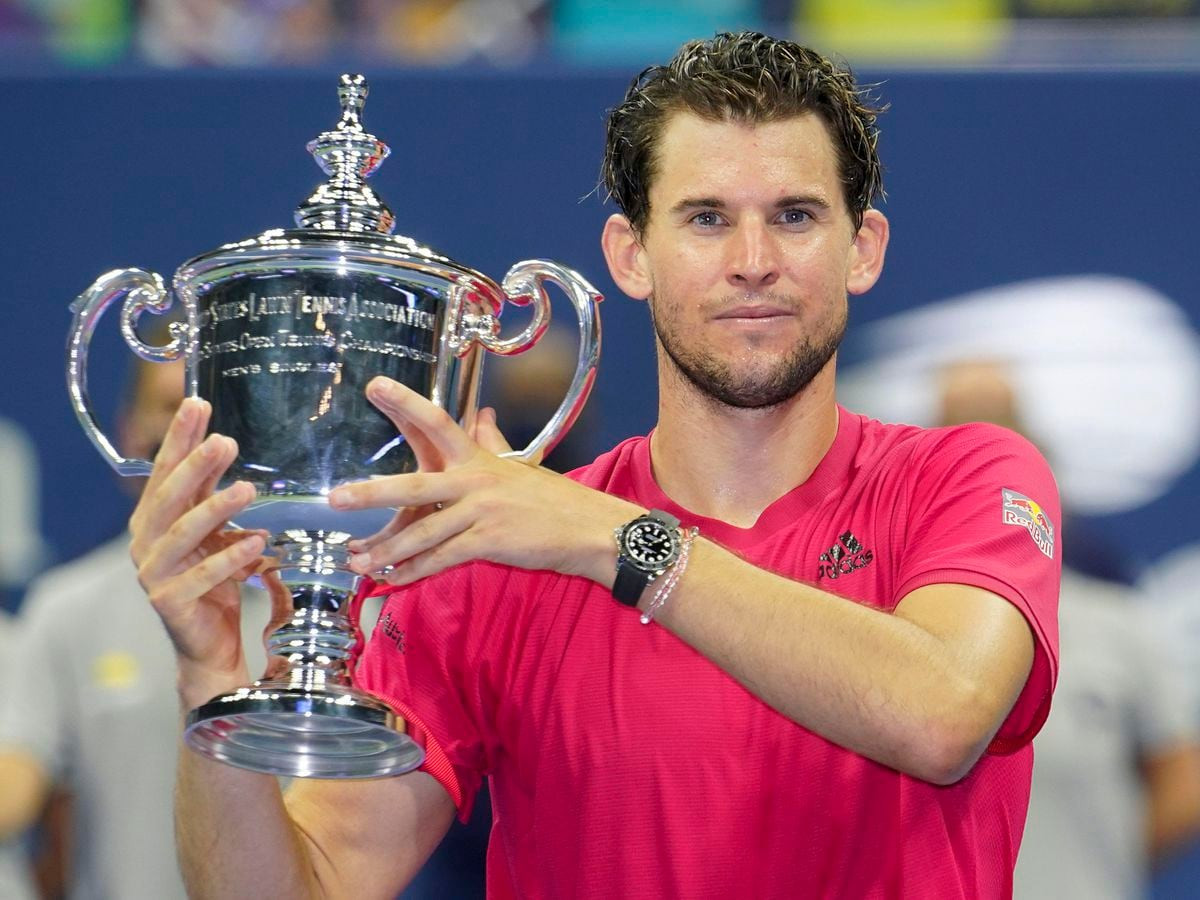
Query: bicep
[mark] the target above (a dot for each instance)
(989, 639)
(368, 839)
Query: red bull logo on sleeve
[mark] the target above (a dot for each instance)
(1021, 510)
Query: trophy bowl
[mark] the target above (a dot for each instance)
(281, 334)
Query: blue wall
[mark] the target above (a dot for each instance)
(991, 178)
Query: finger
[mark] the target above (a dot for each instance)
(402, 519)
(419, 537)
(184, 537)
(223, 539)
(427, 456)
(446, 436)
(487, 433)
(174, 493)
(280, 599)
(171, 597)
(229, 456)
(413, 489)
(183, 434)
(449, 553)
(181, 487)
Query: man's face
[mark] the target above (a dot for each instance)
(748, 254)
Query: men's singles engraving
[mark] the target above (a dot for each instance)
(318, 318)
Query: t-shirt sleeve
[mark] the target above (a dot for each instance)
(431, 658)
(35, 718)
(984, 511)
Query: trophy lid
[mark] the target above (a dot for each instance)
(343, 226)
(349, 155)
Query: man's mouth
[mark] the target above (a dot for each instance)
(754, 312)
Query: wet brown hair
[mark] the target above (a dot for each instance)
(745, 77)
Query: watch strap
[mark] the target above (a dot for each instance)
(629, 584)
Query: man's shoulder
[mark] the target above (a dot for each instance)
(610, 470)
(948, 444)
(99, 573)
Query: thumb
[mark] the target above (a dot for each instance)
(487, 433)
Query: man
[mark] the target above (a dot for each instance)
(92, 711)
(845, 666)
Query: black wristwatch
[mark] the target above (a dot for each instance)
(646, 547)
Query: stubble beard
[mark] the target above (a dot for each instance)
(758, 390)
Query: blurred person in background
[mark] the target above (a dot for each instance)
(526, 390)
(90, 715)
(16, 788)
(830, 690)
(1116, 777)
(23, 550)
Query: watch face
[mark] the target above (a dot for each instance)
(650, 545)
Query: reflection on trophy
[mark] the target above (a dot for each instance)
(283, 331)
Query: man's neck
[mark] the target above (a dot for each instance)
(731, 464)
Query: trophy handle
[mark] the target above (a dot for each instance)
(525, 284)
(143, 292)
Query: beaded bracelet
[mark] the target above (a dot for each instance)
(672, 579)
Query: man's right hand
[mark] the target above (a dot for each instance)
(188, 565)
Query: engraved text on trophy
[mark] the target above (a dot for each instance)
(296, 354)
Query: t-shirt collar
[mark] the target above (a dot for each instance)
(830, 472)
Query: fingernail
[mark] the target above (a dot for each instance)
(209, 446)
(383, 389)
(339, 497)
(361, 562)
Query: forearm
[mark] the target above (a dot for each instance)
(23, 788)
(234, 836)
(1172, 777)
(867, 680)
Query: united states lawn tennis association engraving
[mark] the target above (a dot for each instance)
(325, 318)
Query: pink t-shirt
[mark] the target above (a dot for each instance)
(625, 764)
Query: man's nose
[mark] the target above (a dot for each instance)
(753, 257)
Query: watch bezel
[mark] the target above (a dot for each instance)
(630, 553)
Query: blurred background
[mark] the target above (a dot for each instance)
(1041, 181)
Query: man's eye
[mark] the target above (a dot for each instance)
(794, 217)
(707, 219)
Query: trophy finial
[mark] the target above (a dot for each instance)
(349, 156)
(352, 92)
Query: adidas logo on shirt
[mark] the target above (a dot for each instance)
(844, 557)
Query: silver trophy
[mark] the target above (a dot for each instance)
(282, 333)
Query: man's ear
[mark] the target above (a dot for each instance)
(867, 252)
(625, 257)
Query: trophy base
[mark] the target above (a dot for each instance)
(278, 729)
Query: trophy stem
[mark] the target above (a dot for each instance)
(318, 640)
(307, 720)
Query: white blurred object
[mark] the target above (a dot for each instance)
(1171, 588)
(23, 551)
(1107, 372)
